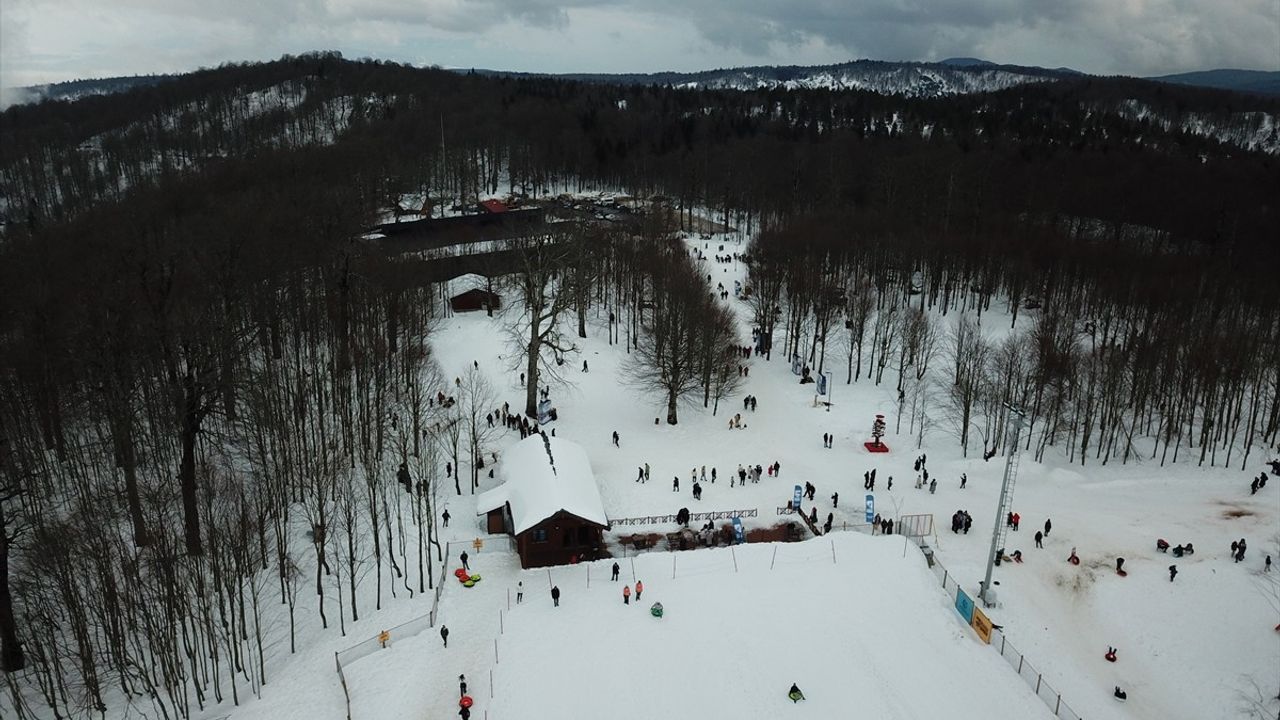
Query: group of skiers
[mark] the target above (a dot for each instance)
(1258, 483)
(961, 521)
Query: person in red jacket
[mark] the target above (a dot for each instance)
(626, 594)
(639, 589)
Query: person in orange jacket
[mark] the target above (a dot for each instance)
(639, 589)
(626, 594)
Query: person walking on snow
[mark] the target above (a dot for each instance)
(1048, 525)
(675, 484)
(615, 439)
(626, 594)
(646, 472)
(1173, 572)
(445, 517)
(639, 589)
(555, 595)
(616, 569)
(1039, 537)
(519, 592)
(462, 685)
(835, 500)
(463, 557)
(964, 479)
(933, 486)
(444, 634)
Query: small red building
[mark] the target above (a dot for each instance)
(550, 502)
(493, 206)
(475, 299)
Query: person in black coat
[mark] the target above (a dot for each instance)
(555, 595)
(616, 569)
(444, 634)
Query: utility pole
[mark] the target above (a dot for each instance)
(1006, 488)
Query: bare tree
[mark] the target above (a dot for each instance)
(539, 259)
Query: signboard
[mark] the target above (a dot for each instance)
(964, 606)
(822, 383)
(871, 508)
(544, 411)
(796, 365)
(739, 533)
(795, 503)
(981, 625)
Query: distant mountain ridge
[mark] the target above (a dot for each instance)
(1262, 82)
(949, 77)
(906, 79)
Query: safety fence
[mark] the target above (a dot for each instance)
(1000, 643)
(693, 517)
(384, 638)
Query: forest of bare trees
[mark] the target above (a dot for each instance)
(209, 378)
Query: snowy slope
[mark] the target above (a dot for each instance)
(873, 634)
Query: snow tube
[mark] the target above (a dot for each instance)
(475, 578)
(1122, 573)
(465, 701)
(468, 583)
(656, 610)
(1110, 657)
(1073, 560)
(460, 573)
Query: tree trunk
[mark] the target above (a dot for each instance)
(187, 470)
(11, 656)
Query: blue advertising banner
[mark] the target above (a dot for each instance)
(822, 383)
(739, 533)
(795, 503)
(964, 606)
(871, 508)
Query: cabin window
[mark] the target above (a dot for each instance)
(584, 535)
(539, 536)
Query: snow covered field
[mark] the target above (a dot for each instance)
(870, 634)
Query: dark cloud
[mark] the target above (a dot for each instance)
(51, 39)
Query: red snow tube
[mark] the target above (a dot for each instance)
(461, 574)
(1073, 560)
(465, 701)
(1111, 657)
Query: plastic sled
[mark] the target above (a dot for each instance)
(1122, 573)
(475, 578)
(656, 610)
(465, 701)
(468, 583)
(795, 697)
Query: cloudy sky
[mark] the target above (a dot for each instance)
(52, 40)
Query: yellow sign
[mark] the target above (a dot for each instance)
(982, 625)
(478, 544)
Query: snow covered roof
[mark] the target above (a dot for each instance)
(468, 281)
(544, 476)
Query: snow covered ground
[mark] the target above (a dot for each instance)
(870, 634)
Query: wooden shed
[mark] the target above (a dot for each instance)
(550, 502)
(475, 299)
